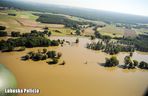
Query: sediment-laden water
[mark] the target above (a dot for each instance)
(82, 74)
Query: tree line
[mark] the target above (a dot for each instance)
(110, 47)
(32, 39)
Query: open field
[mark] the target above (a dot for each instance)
(25, 21)
(89, 31)
(112, 31)
(130, 33)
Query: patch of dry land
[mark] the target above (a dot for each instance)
(112, 31)
(25, 21)
(76, 78)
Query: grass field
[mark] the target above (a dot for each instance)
(112, 31)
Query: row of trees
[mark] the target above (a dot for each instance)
(110, 47)
(28, 42)
(33, 39)
(128, 63)
(33, 33)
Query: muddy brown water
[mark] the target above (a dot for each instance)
(76, 78)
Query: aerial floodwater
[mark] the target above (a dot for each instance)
(82, 74)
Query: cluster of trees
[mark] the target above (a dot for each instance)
(139, 43)
(44, 55)
(113, 48)
(96, 46)
(2, 32)
(2, 27)
(110, 47)
(128, 63)
(15, 34)
(78, 32)
(105, 38)
(131, 64)
(111, 62)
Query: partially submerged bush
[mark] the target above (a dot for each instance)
(77, 40)
(130, 64)
(26, 57)
(143, 65)
(53, 61)
(51, 54)
(21, 48)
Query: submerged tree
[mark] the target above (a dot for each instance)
(78, 32)
(143, 65)
(130, 64)
(111, 62)
(53, 61)
(77, 40)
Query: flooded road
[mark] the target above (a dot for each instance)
(76, 77)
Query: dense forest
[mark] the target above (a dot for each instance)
(58, 19)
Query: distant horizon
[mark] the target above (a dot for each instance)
(133, 7)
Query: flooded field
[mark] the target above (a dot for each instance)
(76, 77)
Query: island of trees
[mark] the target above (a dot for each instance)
(128, 63)
(44, 55)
